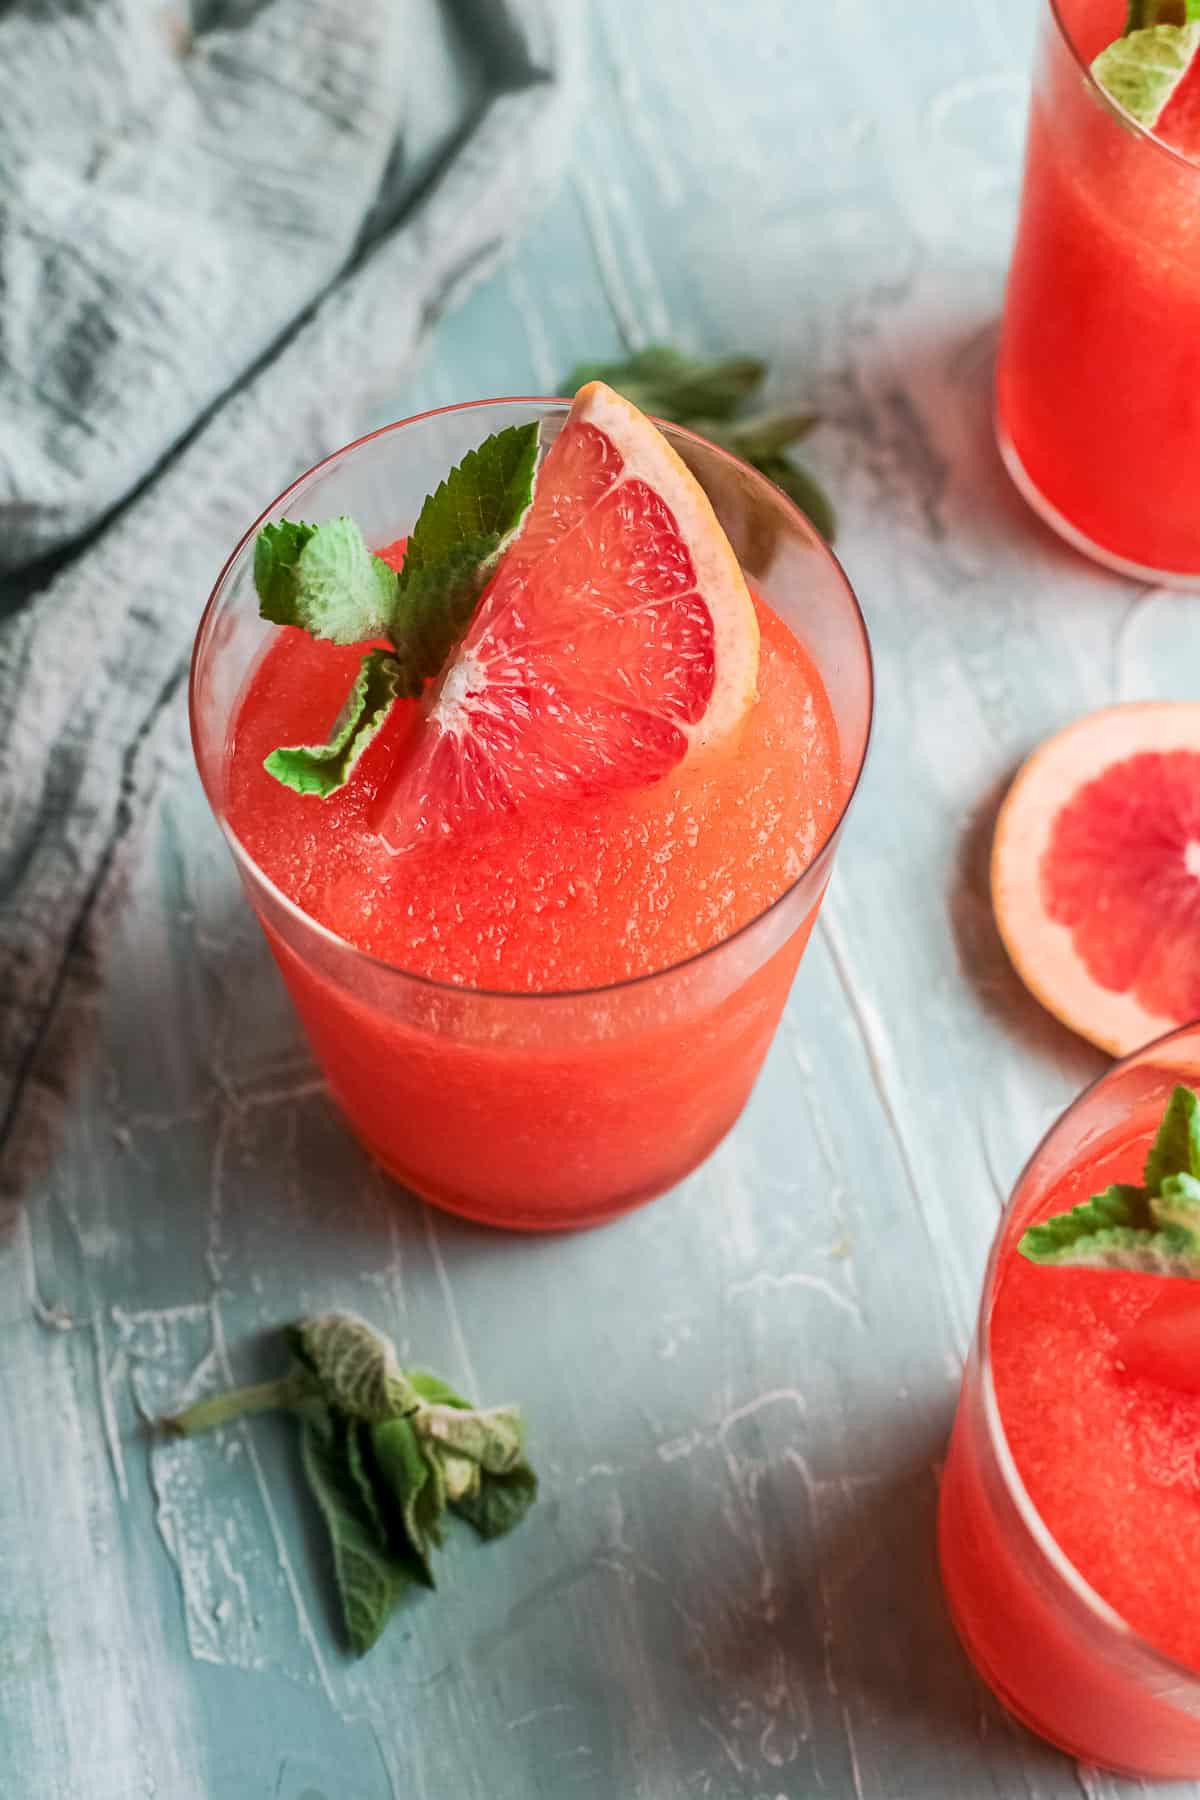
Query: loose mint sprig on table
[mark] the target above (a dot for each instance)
(387, 1452)
(706, 398)
(1153, 1229)
(1145, 66)
(324, 579)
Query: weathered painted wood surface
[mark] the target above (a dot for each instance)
(740, 1394)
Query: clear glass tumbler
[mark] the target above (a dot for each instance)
(1059, 1657)
(537, 1110)
(1098, 379)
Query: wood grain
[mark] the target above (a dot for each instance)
(741, 1394)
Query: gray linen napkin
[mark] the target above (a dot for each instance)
(236, 226)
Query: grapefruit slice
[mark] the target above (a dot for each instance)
(616, 638)
(1096, 873)
(1163, 1343)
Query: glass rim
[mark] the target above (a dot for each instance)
(1039, 1531)
(1118, 113)
(333, 939)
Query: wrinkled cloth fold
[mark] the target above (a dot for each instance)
(219, 245)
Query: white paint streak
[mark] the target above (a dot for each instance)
(109, 1375)
(766, 1283)
(546, 373)
(608, 263)
(538, 1712)
(852, 1753)
(773, 1397)
(640, 111)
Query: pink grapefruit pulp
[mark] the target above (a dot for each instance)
(1096, 873)
(616, 638)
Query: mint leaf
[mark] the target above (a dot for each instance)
(461, 532)
(411, 1493)
(385, 1453)
(434, 608)
(493, 1439)
(1155, 1229)
(485, 496)
(1177, 1207)
(1066, 1237)
(1176, 1148)
(761, 435)
(322, 769)
(500, 1502)
(370, 1579)
(323, 579)
(276, 552)
(361, 1472)
(432, 1387)
(461, 1477)
(674, 386)
(355, 1366)
(1142, 70)
(1119, 1229)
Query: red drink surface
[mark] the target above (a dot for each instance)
(1110, 1460)
(555, 895)
(1111, 1463)
(508, 1115)
(1098, 382)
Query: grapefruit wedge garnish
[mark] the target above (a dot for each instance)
(1096, 873)
(616, 638)
(1163, 1343)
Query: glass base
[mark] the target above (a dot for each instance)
(1063, 528)
(1080, 1752)
(500, 1217)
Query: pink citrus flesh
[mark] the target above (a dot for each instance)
(1163, 1343)
(616, 638)
(1096, 873)
(1103, 1434)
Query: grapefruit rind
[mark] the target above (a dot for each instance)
(647, 456)
(1041, 950)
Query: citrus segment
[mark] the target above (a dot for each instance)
(1096, 873)
(1163, 1343)
(616, 637)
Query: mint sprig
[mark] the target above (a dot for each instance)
(322, 769)
(386, 1452)
(1153, 1229)
(1145, 66)
(324, 580)
(707, 397)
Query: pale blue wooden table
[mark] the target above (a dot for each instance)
(740, 1396)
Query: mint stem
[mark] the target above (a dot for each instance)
(222, 1409)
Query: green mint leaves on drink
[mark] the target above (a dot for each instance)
(1153, 1229)
(324, 580)
(707, 397)
(387, 1453)
(322, 769)
(1142, 70)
